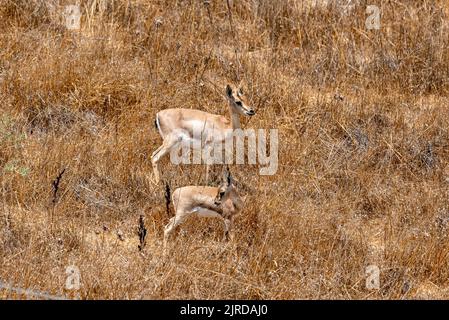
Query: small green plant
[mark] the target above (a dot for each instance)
(8, 134)
(14, 167)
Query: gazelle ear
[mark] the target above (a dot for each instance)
(240, 87)
(228, 91)
(227, 176)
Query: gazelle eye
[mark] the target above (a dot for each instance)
(222, 194)
(239, 103)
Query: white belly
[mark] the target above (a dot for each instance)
(203, 212)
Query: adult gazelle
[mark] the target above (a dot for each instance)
(177, 126)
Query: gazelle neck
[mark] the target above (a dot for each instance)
(238, 203)
(235, 118)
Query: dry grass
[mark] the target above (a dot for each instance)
(363, 179)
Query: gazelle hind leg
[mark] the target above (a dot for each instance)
(168, 230)
(169, 143)
(154, 164)
(156, 151)
(170, 227)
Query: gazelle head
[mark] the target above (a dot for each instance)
(227, 196)
(225, 190)
(237, 101)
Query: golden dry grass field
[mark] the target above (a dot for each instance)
(363, 177)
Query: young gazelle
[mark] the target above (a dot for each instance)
(223, 202)
(177, 126)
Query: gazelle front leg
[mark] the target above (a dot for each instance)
(227, 228)
(209, 156)
(207, 174)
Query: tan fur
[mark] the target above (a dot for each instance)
(177, 125)
(223, 202)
